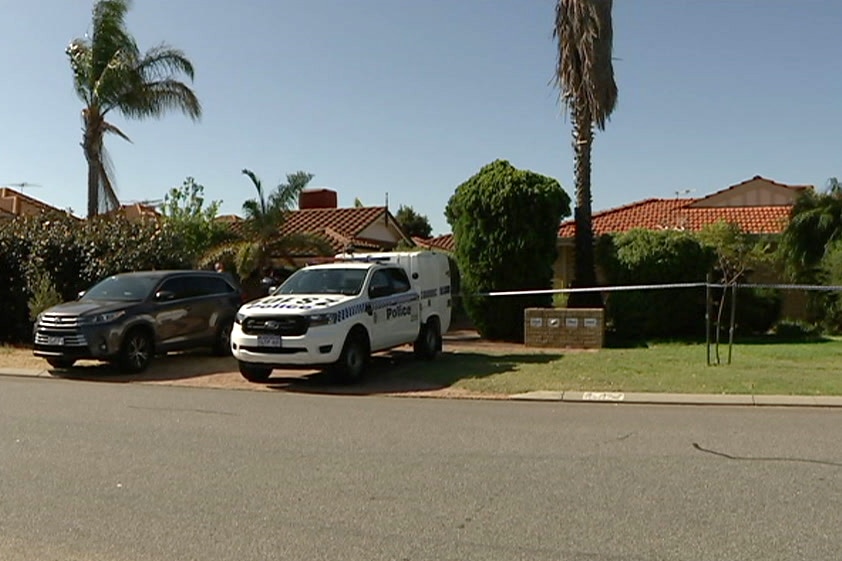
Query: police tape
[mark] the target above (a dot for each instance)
(816, 287)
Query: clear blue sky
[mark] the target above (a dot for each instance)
(413, 97)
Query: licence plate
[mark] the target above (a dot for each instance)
(269, 341)
(55, 341)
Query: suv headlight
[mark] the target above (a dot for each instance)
(322, 319)
(239, 318)
(107, 317)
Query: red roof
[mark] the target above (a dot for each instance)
(666, 214)
(340, 227)
(444, 243)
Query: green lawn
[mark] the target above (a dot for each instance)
(771, 368)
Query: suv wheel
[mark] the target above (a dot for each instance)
(137, 352)
(61, 362)
(222, 342)
(254, 372)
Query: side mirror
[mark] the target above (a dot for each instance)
(81, 293)
(164, 295)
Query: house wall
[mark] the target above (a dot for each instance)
(379, 230)
(754, 193)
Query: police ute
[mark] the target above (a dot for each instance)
(334, 315)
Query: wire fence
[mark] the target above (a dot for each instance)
(715, 293)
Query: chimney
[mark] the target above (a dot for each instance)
(317, 198)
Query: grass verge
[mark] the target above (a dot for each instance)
(759, 367)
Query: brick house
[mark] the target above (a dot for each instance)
(758, 205)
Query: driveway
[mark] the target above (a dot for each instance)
(198, 369)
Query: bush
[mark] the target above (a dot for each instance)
(654, 257)
(44, 294)
(74, 254)
(796, 330)
(826, 307)
(757, 310)
(505, 224)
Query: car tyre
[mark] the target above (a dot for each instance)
(137, 352)
(62, 363)
(222, 342)
(428, 343)
(255, 373)
(353, 361)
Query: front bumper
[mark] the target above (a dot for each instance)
(99, 342)
(317, 347)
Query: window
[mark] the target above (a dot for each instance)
(208, 285)
(179, 286)
(400, 282)
(380, 285)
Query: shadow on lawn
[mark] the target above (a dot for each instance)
(399, 372)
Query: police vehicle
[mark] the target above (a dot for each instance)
(333, 316)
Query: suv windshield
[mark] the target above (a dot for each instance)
(324, 281)
(124, 288)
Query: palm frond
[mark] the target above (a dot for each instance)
(584, 69)
(249, 258)
(80, 54)
(163, 61)
(258, 185)
(154, 99)
(107, 190)
(109, 35)
(222, 252)
(112, 129)
(286, 194)
(290, 245)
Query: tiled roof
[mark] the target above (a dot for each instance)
(664, 214)
(444, 243)
(348, 222)
(340, 227)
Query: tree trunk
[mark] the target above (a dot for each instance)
(584, 263)
(92, 146)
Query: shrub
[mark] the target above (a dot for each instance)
(44, 294)
(505, 224)
(74, 254)
(654, 257)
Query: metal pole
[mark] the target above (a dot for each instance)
(707, 317)
(733, 317)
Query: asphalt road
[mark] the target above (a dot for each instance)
(132, 472)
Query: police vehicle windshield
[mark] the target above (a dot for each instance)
(348, 282)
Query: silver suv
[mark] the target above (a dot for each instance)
(129, 318)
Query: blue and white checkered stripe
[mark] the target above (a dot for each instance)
(350, 311)
(409, 297)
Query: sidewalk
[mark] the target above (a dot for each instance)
(615, 398)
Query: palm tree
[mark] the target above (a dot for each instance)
(110, 73)
(815, 224)
(260, 240)
(585, 77)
